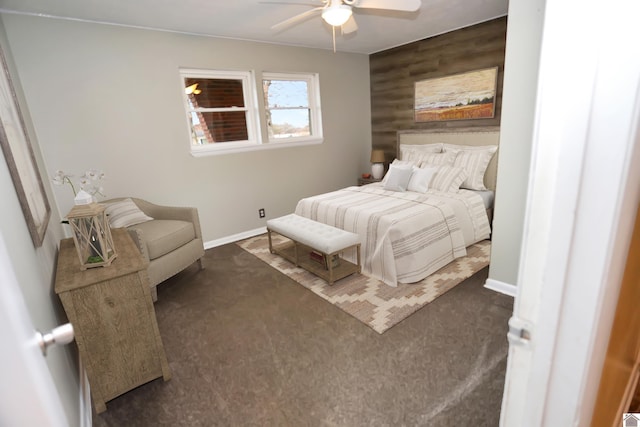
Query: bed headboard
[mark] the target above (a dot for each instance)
(489, 135)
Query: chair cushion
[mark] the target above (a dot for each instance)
(165, 235)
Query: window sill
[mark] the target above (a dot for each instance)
(218, 150)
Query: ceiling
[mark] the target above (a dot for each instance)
(252, 19)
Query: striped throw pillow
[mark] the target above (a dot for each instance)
(124, 214)
(475, 161)
(448, 179)
(430, 159)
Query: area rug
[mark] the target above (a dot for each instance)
(369, 300)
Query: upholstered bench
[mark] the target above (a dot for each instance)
(307, 236)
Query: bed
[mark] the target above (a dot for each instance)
(434, 202)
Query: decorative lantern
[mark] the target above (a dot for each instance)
(91, 235)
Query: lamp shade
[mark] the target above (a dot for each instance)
(377, 156)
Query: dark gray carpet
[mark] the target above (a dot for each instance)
(247, 346)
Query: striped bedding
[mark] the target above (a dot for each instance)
(406, 236)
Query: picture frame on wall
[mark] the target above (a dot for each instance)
(20, 159)
(464, 96)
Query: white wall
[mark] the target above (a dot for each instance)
(524, 37)
(34, 267)
(106, 97)
(109, 97)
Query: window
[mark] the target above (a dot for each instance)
(292, 107)
(222, 111)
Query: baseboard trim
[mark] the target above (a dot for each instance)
(235, 237)
(502, 287)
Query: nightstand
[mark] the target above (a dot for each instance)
(363, 181)
(113, 317)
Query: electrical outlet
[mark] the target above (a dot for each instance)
(261, 213)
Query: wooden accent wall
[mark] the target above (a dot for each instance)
(394, 72)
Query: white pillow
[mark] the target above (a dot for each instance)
(420, 179)
(475, 161)
(398, 177)
(124, 214)
(398, 162)
(448, 179)
(437, 159)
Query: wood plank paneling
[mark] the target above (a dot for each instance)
(394, 72)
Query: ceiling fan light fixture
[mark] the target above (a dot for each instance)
(337, 15)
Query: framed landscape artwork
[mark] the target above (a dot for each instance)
(21, 161)
(464, 96)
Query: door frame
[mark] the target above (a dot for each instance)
(583, 193)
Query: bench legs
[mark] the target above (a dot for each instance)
(295, 249)
(331, 274)
(329, 261)
(270, 243)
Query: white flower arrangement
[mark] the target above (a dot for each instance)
(88, 182)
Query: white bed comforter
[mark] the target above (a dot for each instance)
(406, 236)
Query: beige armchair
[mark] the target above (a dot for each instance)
(171, 241)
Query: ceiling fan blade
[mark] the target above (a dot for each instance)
(293, 20)
(403, 5)
(350, 26)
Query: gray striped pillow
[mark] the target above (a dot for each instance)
(124, 214)
(475, 161)
(448, 179)
(429, 159)
(409, 151)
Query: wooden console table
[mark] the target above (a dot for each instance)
(114, 321)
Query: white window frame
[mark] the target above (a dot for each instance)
(255, 112)
(315, 112)
(254, 139)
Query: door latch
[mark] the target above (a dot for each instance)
(519, 331)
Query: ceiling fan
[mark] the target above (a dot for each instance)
(339, 13)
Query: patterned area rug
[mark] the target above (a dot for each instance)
(369, 300)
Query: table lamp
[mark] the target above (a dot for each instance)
(377, 167)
